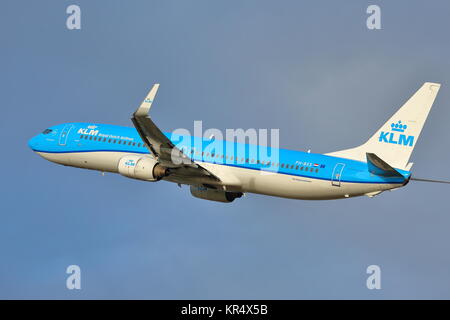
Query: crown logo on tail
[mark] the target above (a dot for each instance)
(399, 127)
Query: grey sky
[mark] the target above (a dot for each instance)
(311, 69)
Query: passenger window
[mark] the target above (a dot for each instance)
(292, 166)
(312, 169)
(134, 144)
(129, 143)
(296, 167)
(253, 161)
(301, 168)
(90, 137)
(81, 137)
(317, 170)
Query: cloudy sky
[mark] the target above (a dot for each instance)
(310, 68)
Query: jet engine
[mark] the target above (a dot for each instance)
(141, 168)
(214, 195)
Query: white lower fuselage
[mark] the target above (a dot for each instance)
(242, 180)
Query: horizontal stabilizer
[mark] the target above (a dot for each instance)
(379, 167)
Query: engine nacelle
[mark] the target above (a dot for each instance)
(141, 168)
(214, 195)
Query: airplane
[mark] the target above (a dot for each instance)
(146, 153)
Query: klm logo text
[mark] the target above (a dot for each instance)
(90, 132)
(396, 135)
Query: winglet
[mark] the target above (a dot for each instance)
(147, 103)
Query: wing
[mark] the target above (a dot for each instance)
(181, 168)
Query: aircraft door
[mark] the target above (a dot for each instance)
(64, 134)
(337, 174)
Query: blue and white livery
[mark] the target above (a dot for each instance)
(223, 174)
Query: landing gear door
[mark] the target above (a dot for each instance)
(337, 174)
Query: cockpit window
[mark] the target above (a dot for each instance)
(47, 131)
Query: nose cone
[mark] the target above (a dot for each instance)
(33, 143)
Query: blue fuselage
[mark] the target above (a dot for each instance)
(88, 138)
